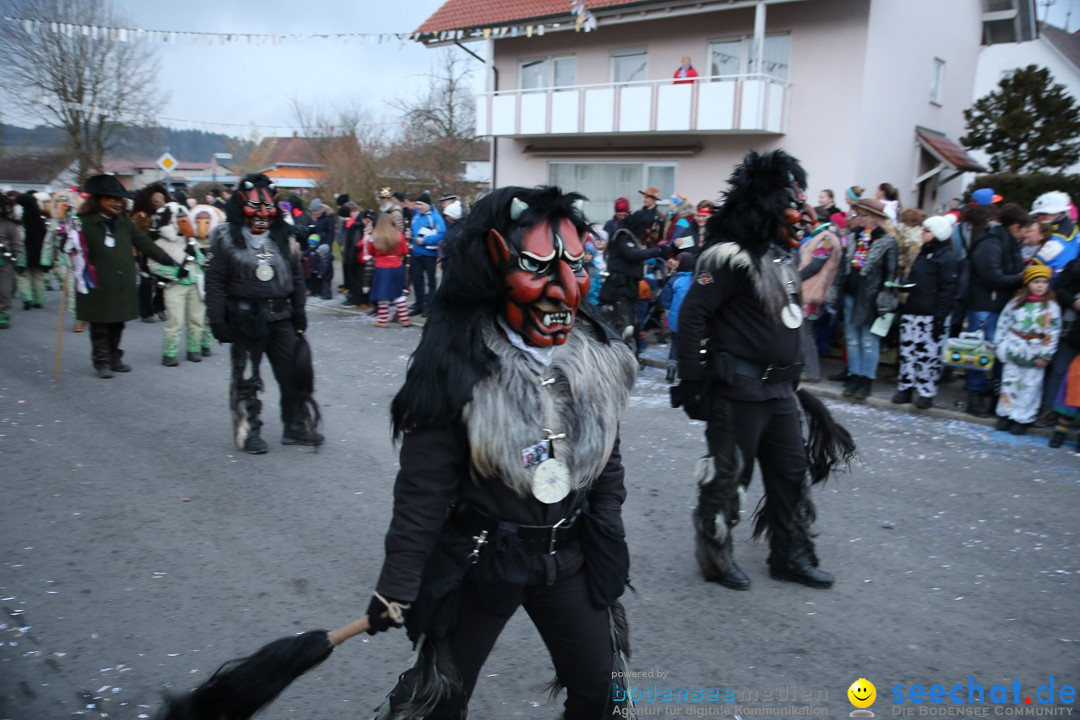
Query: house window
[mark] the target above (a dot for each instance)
(603, 182)
(544, 73)
(628, 64)
(738, 57)
(937, 80)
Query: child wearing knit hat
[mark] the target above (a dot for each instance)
(1027, 336)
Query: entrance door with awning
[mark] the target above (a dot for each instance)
(941, 159)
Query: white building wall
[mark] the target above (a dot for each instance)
(860, 76)
(904, 38)
(996, 59)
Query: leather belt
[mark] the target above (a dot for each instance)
(534, 538)
(274, 305)
(768, 374)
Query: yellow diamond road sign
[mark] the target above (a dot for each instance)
(167, 162)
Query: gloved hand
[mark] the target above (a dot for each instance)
(299, 323)
(381, 617)
(221, 333)
(938, 330)
(190, 249)
(182, 273)
(694, 397)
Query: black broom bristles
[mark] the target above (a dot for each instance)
(304, 377)
(242, 687)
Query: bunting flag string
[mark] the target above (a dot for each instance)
(583, 21)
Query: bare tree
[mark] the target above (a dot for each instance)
(350, 147)
(440, 122)
(93, 88)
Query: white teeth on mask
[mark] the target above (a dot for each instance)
(558, 318)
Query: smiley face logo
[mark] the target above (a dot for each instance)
(862, 693)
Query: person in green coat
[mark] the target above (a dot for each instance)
(108, 236)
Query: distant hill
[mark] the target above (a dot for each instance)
(184, 145)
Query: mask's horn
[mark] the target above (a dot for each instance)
(517, 207)
(579, 205)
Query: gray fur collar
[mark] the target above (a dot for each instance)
(510, 410)
(767, 275)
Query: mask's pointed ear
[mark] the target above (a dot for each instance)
(498, 250)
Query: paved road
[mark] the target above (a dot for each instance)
(140, 550)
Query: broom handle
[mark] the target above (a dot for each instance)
(345, 632)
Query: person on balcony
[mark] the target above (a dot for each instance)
(685, 73)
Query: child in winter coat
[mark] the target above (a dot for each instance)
(1026, 338)
(323, 274)
(308, 262)
(672, 298)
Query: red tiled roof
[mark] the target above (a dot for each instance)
(286, 151)
(949, 151)
(466, 14)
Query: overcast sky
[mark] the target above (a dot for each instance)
(241, 83)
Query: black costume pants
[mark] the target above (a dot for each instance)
(279, 346)
(423, 278)
(770, 432)
(576, 635)
(105, 343)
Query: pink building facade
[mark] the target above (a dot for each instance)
(844, 85)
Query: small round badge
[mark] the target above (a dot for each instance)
(264, 272)
(791, 316)
(550, 481)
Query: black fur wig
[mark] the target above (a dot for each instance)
(234, 212)
(752, 213)
(451, 357)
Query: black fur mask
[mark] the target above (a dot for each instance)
(754, 208)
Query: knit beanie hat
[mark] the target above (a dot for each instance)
(940, 227)
(424, 198)
(622, 205)
(323, 249)
(1036, 271)
(316, 205)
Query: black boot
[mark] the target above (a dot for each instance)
(254, 443)
(978, 405)
(246, 408)
(298, 433)
(1003, 424)
(851, 385)
(798, 568)
(864, 388)
(902, 397)
(1057, 439)
(715, 557)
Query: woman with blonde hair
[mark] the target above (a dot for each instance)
(389, 250)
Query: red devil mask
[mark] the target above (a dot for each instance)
(545, 277)
(260, 207)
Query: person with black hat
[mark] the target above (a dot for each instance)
(255, 300)
(108, 235)
(428, 230)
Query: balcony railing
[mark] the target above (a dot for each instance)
(720, 104)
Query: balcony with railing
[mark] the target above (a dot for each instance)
(709, 105)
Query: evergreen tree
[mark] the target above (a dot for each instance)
(1028, 124)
